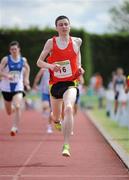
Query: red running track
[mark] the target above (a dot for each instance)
(35, 155)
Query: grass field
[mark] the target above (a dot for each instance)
(118, 133)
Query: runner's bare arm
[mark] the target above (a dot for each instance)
(125, 81)
(79, 60)
(47, 50)
(37, 78)
(79, 42)
(76, 45)
(26, 74)
(2, 66)
(114, 83)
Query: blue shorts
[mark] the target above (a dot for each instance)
(45, 97)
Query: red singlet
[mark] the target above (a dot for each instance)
(67, 58)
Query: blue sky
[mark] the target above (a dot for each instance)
(92, 15)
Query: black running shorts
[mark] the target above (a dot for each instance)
(57, 90)
(8, 96)
(116, 95)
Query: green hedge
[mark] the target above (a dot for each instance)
(108, 53)
(100, 53)
(32, 42)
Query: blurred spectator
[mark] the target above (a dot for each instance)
(99, 89)
(127, 85)
(92, 83)
(119, 83)
(43, 77)
(110, 97)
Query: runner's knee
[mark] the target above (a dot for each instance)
(9, 111)
(17, 106)
(68, 109)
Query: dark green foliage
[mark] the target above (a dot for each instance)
(108, 53)
(87, 57)
(31, 42)
(100, 53)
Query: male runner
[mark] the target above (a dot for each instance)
(64, 64)
(14, 72)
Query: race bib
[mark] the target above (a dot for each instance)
(65, 70)
(15, 76)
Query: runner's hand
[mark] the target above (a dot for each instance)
(81, 71)
(27, 85)
(28, 88)
(55, 67)
(9, 76)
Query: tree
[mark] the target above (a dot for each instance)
(120, 17)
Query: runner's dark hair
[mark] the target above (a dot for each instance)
(60, 18)
(13, 43)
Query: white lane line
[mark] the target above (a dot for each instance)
(67, 176)
(15, 177)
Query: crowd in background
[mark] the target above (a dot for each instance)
(114, 98)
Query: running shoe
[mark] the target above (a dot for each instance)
(49, 129)
(58, 126)
(65, 151)
(14, 130)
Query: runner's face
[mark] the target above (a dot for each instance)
(63, 27)
(120, 72)
(14, 50)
